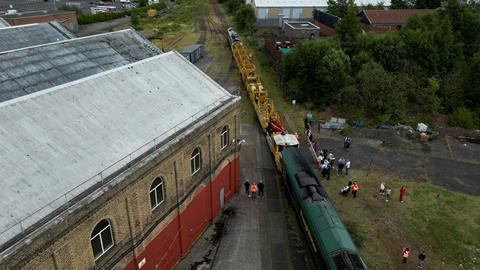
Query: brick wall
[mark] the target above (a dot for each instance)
(125, 203)
(67, 19)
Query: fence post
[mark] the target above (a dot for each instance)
(66, 200)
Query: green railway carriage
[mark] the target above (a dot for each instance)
(329, 240)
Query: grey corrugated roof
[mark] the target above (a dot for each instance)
(32, 69)
(3, 23)
(192, 48)
(54, 140)
(22, 36)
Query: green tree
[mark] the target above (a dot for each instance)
(300, 67)
(245, 18)
(465, 23)
(463, 117)
(428, 4)
(359, 60)
(142, 3)
(332, 75)
(430, 41)
(347, 29)
(472, 85)
(234, 5)
(451, 91)
(380, 93)
(400, 4)
(388, 50)
(340, 7)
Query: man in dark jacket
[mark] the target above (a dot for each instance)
(260, 189)
(247, 187)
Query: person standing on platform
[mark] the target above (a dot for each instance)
(403, 190)
(260, 189)
(247, 187)
(253, 189)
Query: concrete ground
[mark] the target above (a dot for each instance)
(262, 233)
(452, 165)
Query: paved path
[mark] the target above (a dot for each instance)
(265, 229)
(263, 232)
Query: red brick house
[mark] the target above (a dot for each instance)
(67, 18)
(380, 21)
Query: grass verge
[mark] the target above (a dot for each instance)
(443, 223)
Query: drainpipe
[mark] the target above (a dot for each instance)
(178, 206)
(210, 175)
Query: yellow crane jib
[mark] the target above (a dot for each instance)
(277, 137)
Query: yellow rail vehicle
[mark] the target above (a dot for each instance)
(277, 137)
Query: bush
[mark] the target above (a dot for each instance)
(463, 117)
(71, 8)
(143, 10)
(245, 18)
(100, 17)
(346, 131)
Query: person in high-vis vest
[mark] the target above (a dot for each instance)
(253, 189)
(355, 189)
(406, 254)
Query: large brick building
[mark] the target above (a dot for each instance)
(122, 169)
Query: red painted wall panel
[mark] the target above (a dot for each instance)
(173, 242)
(195, 218)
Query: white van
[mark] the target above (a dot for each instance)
(125, 1)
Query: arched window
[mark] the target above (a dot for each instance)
(101, 238)
(224, 137)
(156, 193)
(196, 160)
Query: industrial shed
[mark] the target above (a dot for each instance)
(88, 154)
(32, 69)
(271, 13)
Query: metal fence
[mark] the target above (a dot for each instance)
(102, 178)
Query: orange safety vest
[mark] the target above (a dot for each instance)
(254, 188)
(406, 253)
(355, 187)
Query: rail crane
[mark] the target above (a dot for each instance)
(277, 137)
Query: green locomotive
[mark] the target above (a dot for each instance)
(329, 240)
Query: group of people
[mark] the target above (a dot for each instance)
(385, 192)
(253, 189)
(421, 257)
(326, 160)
